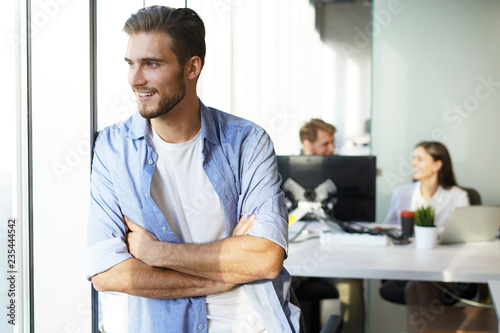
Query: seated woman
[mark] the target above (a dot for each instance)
(434, 185)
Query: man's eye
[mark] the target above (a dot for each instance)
(152, 64)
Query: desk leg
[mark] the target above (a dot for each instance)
(367, 286)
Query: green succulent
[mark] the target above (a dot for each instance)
(424, 216)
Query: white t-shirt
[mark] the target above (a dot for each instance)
(183, 192)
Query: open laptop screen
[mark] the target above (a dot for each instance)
(471, 224)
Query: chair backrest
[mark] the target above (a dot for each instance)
(474, 197)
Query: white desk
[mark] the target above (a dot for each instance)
(471, 262)
(495, 295)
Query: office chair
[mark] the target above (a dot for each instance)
(474, 197)
(333, 324)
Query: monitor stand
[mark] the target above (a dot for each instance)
(310, 200)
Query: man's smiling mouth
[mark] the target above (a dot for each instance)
(146, 94)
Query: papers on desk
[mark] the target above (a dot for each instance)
(327, 238)
(301, 231)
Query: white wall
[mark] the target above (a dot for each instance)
(430, 59)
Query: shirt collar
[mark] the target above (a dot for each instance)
(140, 126)
(437, 197)
(209, 124)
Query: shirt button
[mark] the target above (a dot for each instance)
(164, 228)
(150, 161)
(200, 327)
(146, 195)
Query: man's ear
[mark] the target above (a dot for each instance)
(307, 147)
(193, 68)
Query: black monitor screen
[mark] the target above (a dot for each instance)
(353, 177)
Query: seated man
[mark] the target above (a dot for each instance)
(317, 138)
(186, 211)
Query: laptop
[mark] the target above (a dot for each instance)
(471, 224)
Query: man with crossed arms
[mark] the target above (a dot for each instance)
(169, 186)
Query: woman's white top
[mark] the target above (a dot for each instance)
(409, 197)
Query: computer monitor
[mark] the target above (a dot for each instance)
(352, 194)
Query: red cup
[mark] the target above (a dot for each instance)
(407, 223)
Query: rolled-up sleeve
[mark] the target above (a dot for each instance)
(260, 190)
(106, 229)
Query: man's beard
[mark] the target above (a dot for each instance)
(166, 103)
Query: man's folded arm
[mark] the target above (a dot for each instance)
(133, 277)
(238, 259)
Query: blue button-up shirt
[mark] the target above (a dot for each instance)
(239, 160)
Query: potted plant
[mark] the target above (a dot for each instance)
(425, 230)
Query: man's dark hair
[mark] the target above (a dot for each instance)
(183, 25)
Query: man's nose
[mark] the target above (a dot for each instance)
(136, 77)
(331, 148)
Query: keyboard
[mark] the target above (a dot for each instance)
(328, 238)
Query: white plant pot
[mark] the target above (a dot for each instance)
(425, 237)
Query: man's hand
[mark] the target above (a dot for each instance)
(240, 258)
(134, 277)
(138, 276)
(245, 225)
(141, 243)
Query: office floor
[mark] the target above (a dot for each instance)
(387, 317)
(383, 316)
